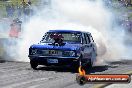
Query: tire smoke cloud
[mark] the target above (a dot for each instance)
(83, 15)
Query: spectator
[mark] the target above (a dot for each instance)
(7, 10)
(12, 10)
(128, 25)
(29, 2)
(15, 28)
(128, 2)
(27, 10)
(25, 7)
(19, 11)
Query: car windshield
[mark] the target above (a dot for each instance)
(67, 37)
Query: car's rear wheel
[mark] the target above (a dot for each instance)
(33, 64)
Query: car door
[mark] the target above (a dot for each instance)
(94, 49)
(93, 44)
(88, 47)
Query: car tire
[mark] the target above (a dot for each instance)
(76, 65)
(90, 64)
(84, 65)
(87, 66)
(33, 64)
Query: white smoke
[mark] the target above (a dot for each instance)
(83, 15)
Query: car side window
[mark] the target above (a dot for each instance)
(84, 39)
(91, 38)
(87, 38)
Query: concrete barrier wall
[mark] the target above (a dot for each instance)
(3, 44)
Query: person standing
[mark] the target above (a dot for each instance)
(19, 11)
(7, 10)
(15, 28)
(12, 10)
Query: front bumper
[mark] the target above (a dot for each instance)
(42, 60)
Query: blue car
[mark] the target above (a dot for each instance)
(64, 47)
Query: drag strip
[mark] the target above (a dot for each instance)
(19, 74)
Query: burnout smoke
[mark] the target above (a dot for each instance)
(83, 15)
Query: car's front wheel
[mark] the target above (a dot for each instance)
(89, 64)
(33, 64)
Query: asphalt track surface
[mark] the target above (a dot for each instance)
(20, 75)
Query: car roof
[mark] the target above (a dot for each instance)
(67, 31)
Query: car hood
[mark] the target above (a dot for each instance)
(67, 46)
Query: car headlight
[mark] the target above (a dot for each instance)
(34, 51)
(69, 53)
(72, 53)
